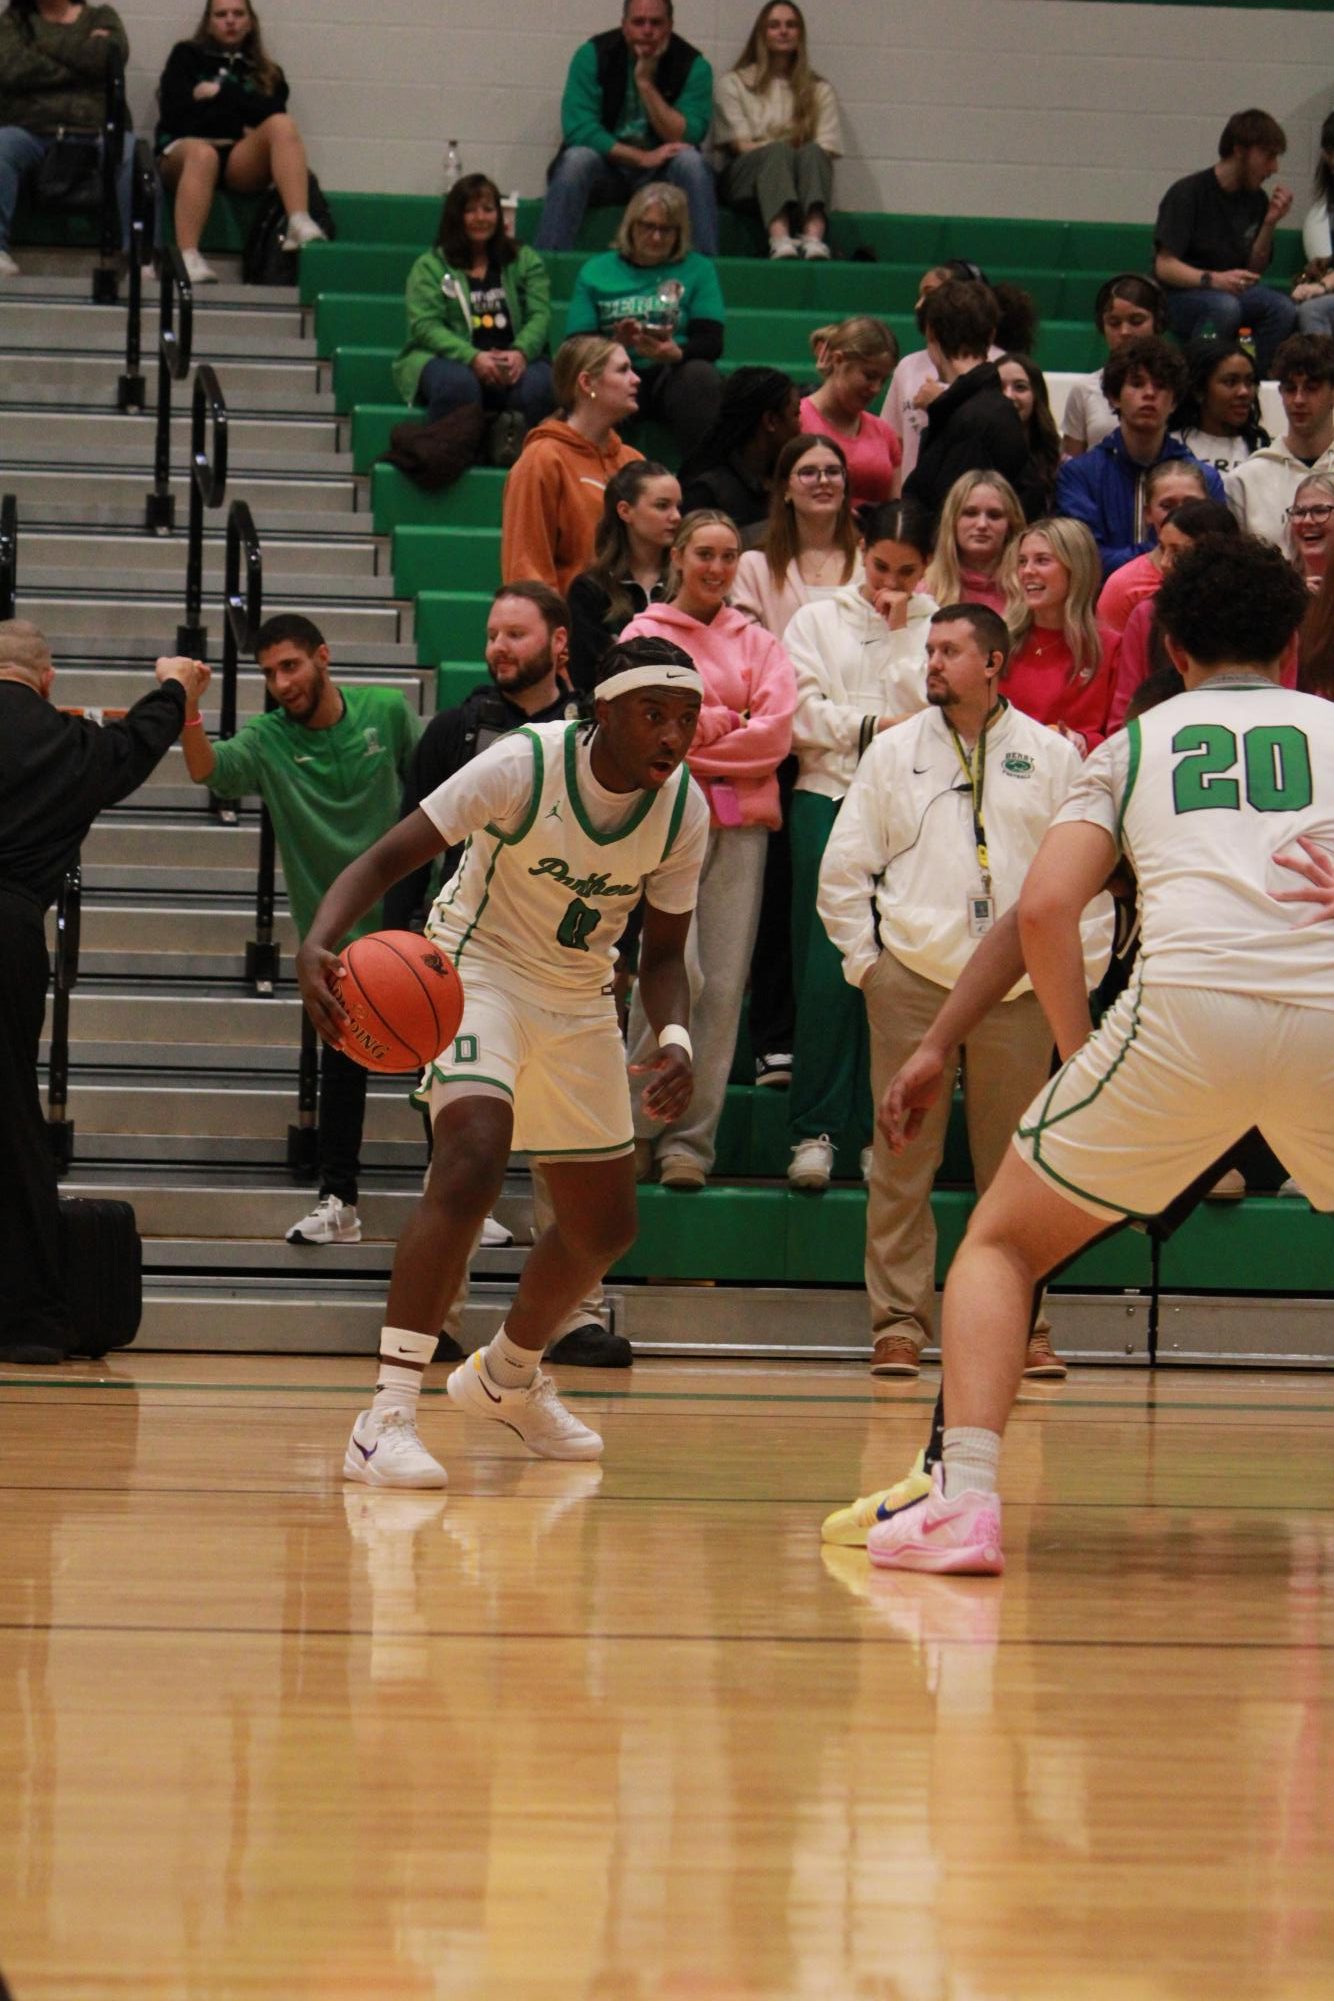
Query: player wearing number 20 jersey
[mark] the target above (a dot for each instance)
(1229, 1019)
(531, 918)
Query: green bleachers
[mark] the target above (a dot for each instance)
(771, 1235)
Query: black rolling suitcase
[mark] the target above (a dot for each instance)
(102, 1257)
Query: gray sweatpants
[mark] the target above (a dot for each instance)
(780, 176)
(718, 949)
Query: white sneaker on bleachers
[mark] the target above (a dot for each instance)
(198, 269)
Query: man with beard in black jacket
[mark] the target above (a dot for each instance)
(57, 772)
(973, 427)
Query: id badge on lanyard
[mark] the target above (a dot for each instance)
(980, 904)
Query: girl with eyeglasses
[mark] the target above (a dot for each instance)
(810, 546)
(663, 302)
(1310, 522)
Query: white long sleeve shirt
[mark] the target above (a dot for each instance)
(851, 670)
(902, 852)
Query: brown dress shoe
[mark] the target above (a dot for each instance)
(1043, 1364)
(895, 1355)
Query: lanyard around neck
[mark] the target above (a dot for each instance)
(975, 771)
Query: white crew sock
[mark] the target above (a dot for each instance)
(972, 1460)
(397, 1387)
(509, 1366)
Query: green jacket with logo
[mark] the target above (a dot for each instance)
(440, 314)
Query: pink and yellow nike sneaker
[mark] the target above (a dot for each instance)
(962, 1535)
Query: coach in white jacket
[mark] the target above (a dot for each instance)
(942, 820)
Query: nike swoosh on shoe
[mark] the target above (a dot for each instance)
(364, 1451)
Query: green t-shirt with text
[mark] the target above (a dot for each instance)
(330, 793)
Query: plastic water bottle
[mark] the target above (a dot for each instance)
(453, 165)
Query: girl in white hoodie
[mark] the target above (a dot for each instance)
(860, 663)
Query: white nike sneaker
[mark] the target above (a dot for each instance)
(329, 1222)
(8, 268)
(495, 1234)
(385, 1451)
(536, 1414)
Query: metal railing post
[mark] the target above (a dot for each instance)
(174, 349)
(130, 390)
(303, 1138)
(105, 287)
(208, 488)
(9, 555)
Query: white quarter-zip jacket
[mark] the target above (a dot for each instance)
(851, 670)
(902, 854)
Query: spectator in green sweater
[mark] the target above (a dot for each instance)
(637, 105)
(662, 301)
(479, 312)
(53, 67)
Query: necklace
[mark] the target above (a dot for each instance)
(815, 564)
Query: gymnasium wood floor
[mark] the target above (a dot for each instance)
(625, 1734)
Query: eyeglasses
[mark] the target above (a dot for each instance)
(821, 475)
(656, 228)
(1319, 514)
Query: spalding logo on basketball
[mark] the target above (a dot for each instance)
(403, 1000)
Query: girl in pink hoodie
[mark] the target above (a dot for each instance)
(743, 735)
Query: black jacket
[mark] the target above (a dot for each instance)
(591, 632)
(238, 107)
(974, 427)
(57, 772)
(613, 60)
(450, 740)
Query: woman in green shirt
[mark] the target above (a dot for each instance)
(479, 314)
(662, 301)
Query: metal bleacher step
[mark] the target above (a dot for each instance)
(95, 495)
(234, 1117)
(115, 684)
(354, 559)
(111, 437)
(207, 1206)
(71, 614)
(135, 578)
(134, 940)
(297, 387)
(65, 322)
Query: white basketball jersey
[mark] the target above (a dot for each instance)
(1202, 793)
(541, 907)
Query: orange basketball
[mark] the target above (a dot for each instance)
(403, 999)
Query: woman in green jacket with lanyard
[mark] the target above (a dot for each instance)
(479, 314)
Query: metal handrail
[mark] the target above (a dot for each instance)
(9, 555)
(114, 122)
(208, 488)
(65, 971)
(144, 185)
(174, 349)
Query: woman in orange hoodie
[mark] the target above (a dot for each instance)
(553, 496)
(743, 734)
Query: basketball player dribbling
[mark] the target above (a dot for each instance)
(1228, 1021)
(564, 829)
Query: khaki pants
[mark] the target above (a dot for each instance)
(1006, 1060)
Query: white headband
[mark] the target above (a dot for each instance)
(661, 674)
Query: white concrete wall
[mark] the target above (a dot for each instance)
(1075, 108)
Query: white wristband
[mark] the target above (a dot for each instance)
(674, 1033)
